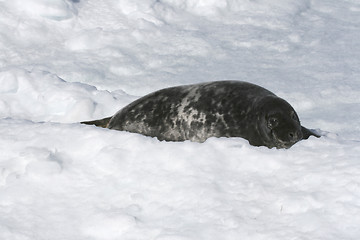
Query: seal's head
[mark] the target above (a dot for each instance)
(279, 124)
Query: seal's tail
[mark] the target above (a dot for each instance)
(99, 123)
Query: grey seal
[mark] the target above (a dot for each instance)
(213, 109)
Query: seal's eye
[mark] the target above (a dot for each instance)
(273, 122)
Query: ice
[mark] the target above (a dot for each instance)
(62, 62)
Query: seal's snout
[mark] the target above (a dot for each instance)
(294, 136)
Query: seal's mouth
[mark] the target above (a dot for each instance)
(284, 144)
(287, 145)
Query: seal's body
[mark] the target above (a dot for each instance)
(216, 109)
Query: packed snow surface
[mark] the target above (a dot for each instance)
(63, 61)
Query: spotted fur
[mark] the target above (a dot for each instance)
(216, 109)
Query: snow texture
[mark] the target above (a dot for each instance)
(66, 61)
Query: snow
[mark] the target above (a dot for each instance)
(62, 62)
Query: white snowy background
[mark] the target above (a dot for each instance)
(65, 61)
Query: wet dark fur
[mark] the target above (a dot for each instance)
(216, 109)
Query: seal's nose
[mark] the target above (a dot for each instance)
(294, 136)
(291, 136)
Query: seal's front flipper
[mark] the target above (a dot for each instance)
(99, 123)
(308, 132)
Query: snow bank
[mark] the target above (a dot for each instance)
(78, 182)
(42, 96)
